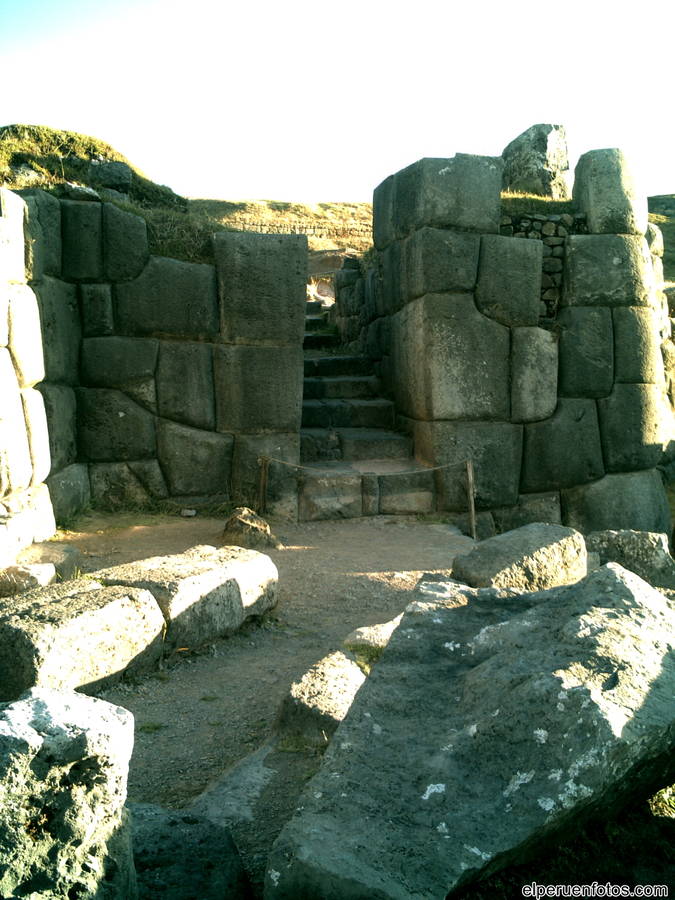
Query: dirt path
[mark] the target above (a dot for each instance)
(206, 711)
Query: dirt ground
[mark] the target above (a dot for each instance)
(207, 710)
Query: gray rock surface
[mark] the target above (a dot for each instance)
(368, 642)
(125, 244)
(64, 831)
(60, 409)
(635, 423)
(96, 309)
(536, 162)
(244, 528)
(37, 433)
(12, 263)
(66, 558)
(16, 469)
(179, 855)
(25, 577)
(630, 500)
(282, 489)
(643, 552)
(534, 374)
(117, 362)
(185, 383)
(637, 346)
(115, 486)
(111, 427)
(194, 461)
(586, 351)
(534, 557)
(509, 279)
(61, 332)
(69, 491)
(43, 234)
(605, 193)
(82, 243)
(439, 261)
(607, 270)
(25, 335)
(203, 593)
(334, 496)
(533, 711)
(544, 507)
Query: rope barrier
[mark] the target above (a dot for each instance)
(312, 468)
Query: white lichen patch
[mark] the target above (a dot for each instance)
(540, 735)
(546, 803)
(442, 828)
(585, 761)
(555, 775)
(433, 789)
(346, 745)
(377, 729)
(517, 780)
(495, 713)
(452, 645)
(573, 792)
(274, 877)
(476, 852)
(471, 730)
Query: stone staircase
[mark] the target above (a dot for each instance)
(354, 462)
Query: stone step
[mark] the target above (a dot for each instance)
(313, 307)
(317, 341)
(348, 413)
(371, 487)
(336, 387)
(322, 366)
(353, 444)
(316, 323)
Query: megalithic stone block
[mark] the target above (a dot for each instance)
(606, 193)
(16, 469)
(634, 424)
(607, 270)
(637, 346)
(125, 244)
(38, 434)
(534, 374)
(383, 213)
(82, 236)
(61, 330)
(586, 351)
(194, 461)
(43, 235)
(12, 262)
(60, 408)
(185, 383)
(111, 427)
(25, 335)
(634, 500)
(436, 260)
(509, 279)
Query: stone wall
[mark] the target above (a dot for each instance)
(563, 407)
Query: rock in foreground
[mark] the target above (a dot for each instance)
(493, 721)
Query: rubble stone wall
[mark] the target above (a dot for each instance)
(562, 407)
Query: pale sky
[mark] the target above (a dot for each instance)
(306, 100)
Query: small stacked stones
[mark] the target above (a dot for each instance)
(552, 231)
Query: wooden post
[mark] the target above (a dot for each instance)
(263, 475)
(471, 491)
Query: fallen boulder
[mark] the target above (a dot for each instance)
(644, 552)
(244, 528)
(493, 723)
(532, 558)
(64, 832)
(536, 162)
(203, 593)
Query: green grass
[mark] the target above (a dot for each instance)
(515, 204)
(667, 226)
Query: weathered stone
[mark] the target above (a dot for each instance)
(114, 486)
(483, 523)
(169, 297)
(25, 577)
(60, 408)
(69, 491)
(16, 470)
(370, 495)
(449, 361)
(96, 309)
(530, 508)
(383, 213)
(564, 450)
(633, 426)
(64, 831)
(654, 237)
(177, 853)
(37, 433)
(536, 163)
(25, 335)
(262, 281)
(534, 374)
(66, 559)
(117, 362)
(461, 192)
(194, 461)
(534, 557)
(632, 500)
(406, 493)
(81, 232)
(125, 244)
(334, 496)
(43, 235)
(26, 517)
(60, 318)
(12, 208)
(509, 280)
(494, 447)
(112, 174)
(637, 346)
(367, 643)
(151, 477)
(605, 193)
(607, 270)
(282, 488)
(203, 593)
(586, 351)
(258, 388)
(244, 528)
(436, 261)
(645, 553)
(77, 635)
(185, 383)
(111, 427)
(317, 703)
(565, 711)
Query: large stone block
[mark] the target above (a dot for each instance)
(282, 487)
(495, 449)
(185, 383)
(77, 634)
(534, 374)
(81, 232)
(637, 346)
(25, 335)
(449, 361)
(38, 434)
(26, 517)
(194, 461)
(586, 351)
(605, 192)
(43, 235)
(392, 277)
(536, 162)
(64, 830)
(262, 282)
(61, 411)
(125, 244)
(631, 500)
(112, 428)
(634, 423)
(529, 508)
(509, 279)
(114, 486)
(60, 318)
(564, 450)
(203, 593)
(643, 552)
(383, 213)
(437, 261)
(461, 192)
(334, 496)
(12, 263)
(169, 297)
(118, 362)
(69, 491)
(16, 470)
(96, 309)
(258, 388)
(607, 270)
